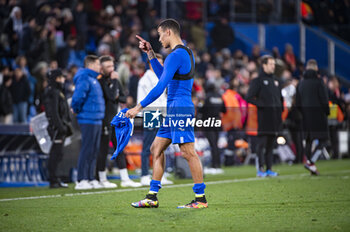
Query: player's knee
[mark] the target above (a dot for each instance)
(187, 155)
(154, 150)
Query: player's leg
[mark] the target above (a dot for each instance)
(189, 153)
(157, 149)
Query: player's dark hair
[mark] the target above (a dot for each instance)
(171, 24)
(89, 59)
(106, 58)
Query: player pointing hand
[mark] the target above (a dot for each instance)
(144, 45)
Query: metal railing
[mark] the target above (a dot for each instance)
(250, 11)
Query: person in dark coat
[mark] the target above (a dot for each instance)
(13, 28)
(113, 94)
(20, 92)
(265, 92)
(222, 34)
(312, 101)
(213, 107)
(6, 107)
(57, 113)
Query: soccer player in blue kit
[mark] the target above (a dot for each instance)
(176, 75)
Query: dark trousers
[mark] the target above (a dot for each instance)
(104, 148)
(308, 147)
(90, 145)
(149, 135)
(265, 149)
(55, 157)
(297, 138)
(107, 136)
(213, 137)
(333, 134)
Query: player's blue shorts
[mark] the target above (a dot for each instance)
(178, 125)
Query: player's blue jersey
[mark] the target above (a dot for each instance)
(177, 62)
(177, 75)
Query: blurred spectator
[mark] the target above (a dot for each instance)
(89, 105)
(222, 34)
(294, 119)
(213, 107)
(13, 29)
(312, 100)
(198, 35)
(6, 107)
(153, 39)
(28, 36)
(20, 91)
(276, 53)
(58, 115)
(234, 118)
(265, 93)
(289, 57)
(39, 73)
(4, 11)
(256, 54)
(68, 84)
(149, 21)
(203, 64)
(69, 54)
(21, 62)
(66, 24)
(80, 21)
(337, 104)
(137, 73)
(124, 68)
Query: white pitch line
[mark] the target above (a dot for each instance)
(166, 186)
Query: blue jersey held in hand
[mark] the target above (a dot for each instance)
(123, 131)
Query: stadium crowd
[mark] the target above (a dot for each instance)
(59, 34)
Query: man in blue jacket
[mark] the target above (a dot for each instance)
(88, 103)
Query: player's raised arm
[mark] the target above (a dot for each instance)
(146, 47)
(171, 65)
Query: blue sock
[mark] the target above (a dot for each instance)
(198, 189)
(155, 186)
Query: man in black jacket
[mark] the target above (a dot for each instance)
(213, 107)
(57, 113)
(113, 94)
(265, 93)
(312, 101)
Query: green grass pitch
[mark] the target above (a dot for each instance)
(238, 201)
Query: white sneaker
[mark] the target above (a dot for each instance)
(83, 185)
(95, 184)
(209, 171)
(145, 180)
(107, 184)
(165, 181)
(130, 183)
